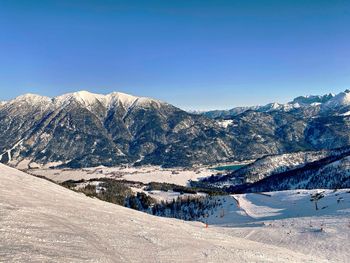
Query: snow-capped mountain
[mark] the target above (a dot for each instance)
(85, 98)
(84, 129)
(339, 101)
(312, 99)
(298, 102)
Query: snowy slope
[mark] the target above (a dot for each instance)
(41, 221)
(289, 219)
(88, 99)
(332, 173)
(300, 170)
(271, 164)
(340, 100)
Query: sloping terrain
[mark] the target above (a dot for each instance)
(41, 221)
(290, 219)
(83, 129)
(332, 172)
(278, 165)
(296, 103)
(304, 124)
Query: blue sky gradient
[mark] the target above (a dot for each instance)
(194, 54)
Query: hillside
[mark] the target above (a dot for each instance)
(290, 219)
(41, 221)
(332, 172)
(83, 129)
(277, 165)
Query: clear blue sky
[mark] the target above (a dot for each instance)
(194, 54)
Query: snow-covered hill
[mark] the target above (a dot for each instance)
(269, 165)
(332, 172)
(41, 221)
(290, 219)
(296, 103)
(274, 168)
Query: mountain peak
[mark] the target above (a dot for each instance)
(312, 99)
(31, 98)
(88, 99)
(84, 97)
(339, 100)
(123, 98)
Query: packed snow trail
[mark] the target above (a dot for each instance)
(289, 219)
(41, 221)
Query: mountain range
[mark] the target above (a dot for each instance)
(83, 129)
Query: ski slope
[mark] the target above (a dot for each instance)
(289, 219)
(41, 221)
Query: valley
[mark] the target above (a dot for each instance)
(83, 129)
(251, 175)
(232, 167)
(174, 131)
(144, 174)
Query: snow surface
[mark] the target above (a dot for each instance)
(345, 114)
(85, 98)
(225, 123)
(31, 98)
(271, 164)
(41, 222)
(339, 100)
(88, 99)
(144, 174)
(289, 219)
(8, 152)
(169, 195)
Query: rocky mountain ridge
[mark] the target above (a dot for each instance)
(83, 129)
(296, 103)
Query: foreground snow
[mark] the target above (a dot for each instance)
(41, 221)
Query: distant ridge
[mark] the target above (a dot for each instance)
(83, 129)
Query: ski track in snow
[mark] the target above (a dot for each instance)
(289, 219)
